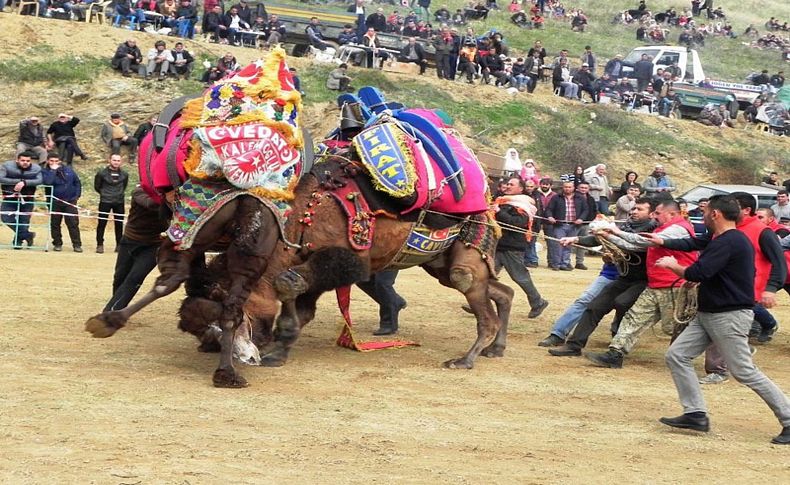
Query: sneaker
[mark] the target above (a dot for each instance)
(77, 249)
(100, 249)
(580, 266)
(535, 312)
(714, 378)
(611, 359)
(551, 341)
(57, 248)
(566, 268)
(766, 335)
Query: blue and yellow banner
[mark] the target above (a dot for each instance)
(383, 151)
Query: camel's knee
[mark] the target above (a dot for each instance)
(290, 284)
(462, 279)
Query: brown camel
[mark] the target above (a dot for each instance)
(328, 261)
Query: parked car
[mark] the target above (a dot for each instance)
(764, 197)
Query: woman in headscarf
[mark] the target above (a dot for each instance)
(512, 162)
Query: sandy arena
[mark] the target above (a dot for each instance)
(139, 408)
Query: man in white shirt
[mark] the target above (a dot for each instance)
(782, 207)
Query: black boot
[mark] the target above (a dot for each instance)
(783, 438)
(611, 358)
(694, 421)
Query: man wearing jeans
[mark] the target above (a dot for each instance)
(18, 180)
(726, 273)
(110, 183)
(566, 213)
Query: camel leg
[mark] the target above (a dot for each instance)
(502, 295)
(174, 267)
(295, 315)
(247, 257)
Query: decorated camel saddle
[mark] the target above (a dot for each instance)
(241, 137)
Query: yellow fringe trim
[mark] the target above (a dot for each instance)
(272, 194)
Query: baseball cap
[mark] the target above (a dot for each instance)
(585, 65)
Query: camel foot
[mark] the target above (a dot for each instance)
(493, 351)
(99, 327)
(229, 379)
(209, 347)
(462, 363)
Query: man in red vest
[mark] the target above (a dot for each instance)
(655, 304)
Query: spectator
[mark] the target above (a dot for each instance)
(494, 65)
(348, 41)
(110, 183)
(630, 180)
(625, 204)
(459, 18)
(61, 135)
(276, 31)
(531, 254)
(225, 65)
(600, 191)
(414, 53)
(777, 80)
(584, 229)
(566, 213)
(520, 19)
(586, 82)
(297, 82)
(214, 23)
(374, 54)
(519, 75)
(615, 67)
(424, 5)
(116, 133)
(782, 207)
(589, 58)
(532, 68)
(186, 15)
(467, 61)
(182, 62)
(544, 194)
(579, 21)
(443, 15)
(18, 181)
(604, 85)
(244, 12)
(32, 138)
(658, 183)
(339, 81)
(443, 43)
(561, 79)
(137, 250)
(751, 111)
(168, 8)
(761, 78)
(540, 50)
(643, 72)
(127, 58)
(159, 59)
(313, 31)
(234, 23)
(377, 21)
(144, 129)
(66, 191)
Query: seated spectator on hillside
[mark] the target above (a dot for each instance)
(579, 22)
(144, 128)
(751, 111)
(443, 15)
(777, 80)
(561, 79)
(32, 138)
(585, 80)
(226, 64)
(79, 9)
(494, 65)
(605, 85)
(518, 72)
(143, 6)
(348, 41)
(624, 88)
(186, 16)
(316, 37)
(377, 20)
(772, 181)
(414, 53)
(467, 60)
(476, 11)
(751, 31)
(61, 135)
(409, 29)
(537, 21)
(182, 62)
(424, 30)
(711, 116)
(394, 22)
(234, 23)
(66, 191)
(374, 54)
(275, 31)
(339, 81)
(214, 23)
(18, 181)
(459, 18)
(533, 65)
(411, 17)
(127, 58)
(159, 59)
(562, 57)
(641, 33)
(667, 102)
(116, 133)
(520, 19)
(168, 8)
(498, 44)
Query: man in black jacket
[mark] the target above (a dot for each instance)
(511, 247)
(592, 211)
(110, 183)
(186, 15)
(182, 62)
(61, 135)
(413, 52)
(18, 180)
(566, 213)
(377, 20)
(127, 58)
(585, 80)
(643, 72)
(31, 138)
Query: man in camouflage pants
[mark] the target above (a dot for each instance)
(655, 304)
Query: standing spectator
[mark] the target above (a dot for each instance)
(600, 190)
(414, 53)
(61, 135)
(425, 14)
(244, 11)
(643, 72)
(630, 180)
(182, 62)
(18, 181)
(726, 298)
(116, 133)
(589, 58)
(138, 247)
(66, 191)
(31, 138)
(615, 67)
(625, 204)
(127, 57)
(566, 213)
(782, 207)
(110, 183)
(577, 176)
(377, 21)
(658, 183)
(513, 209)
(144, 128)
(544, 194)
(443, 44)
(531, 254)
(584, 229)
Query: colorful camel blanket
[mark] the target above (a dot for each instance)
(197, 201)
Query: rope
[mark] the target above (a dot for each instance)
(684, 306)
(620, 258)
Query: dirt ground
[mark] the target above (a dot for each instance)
(139, 408)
